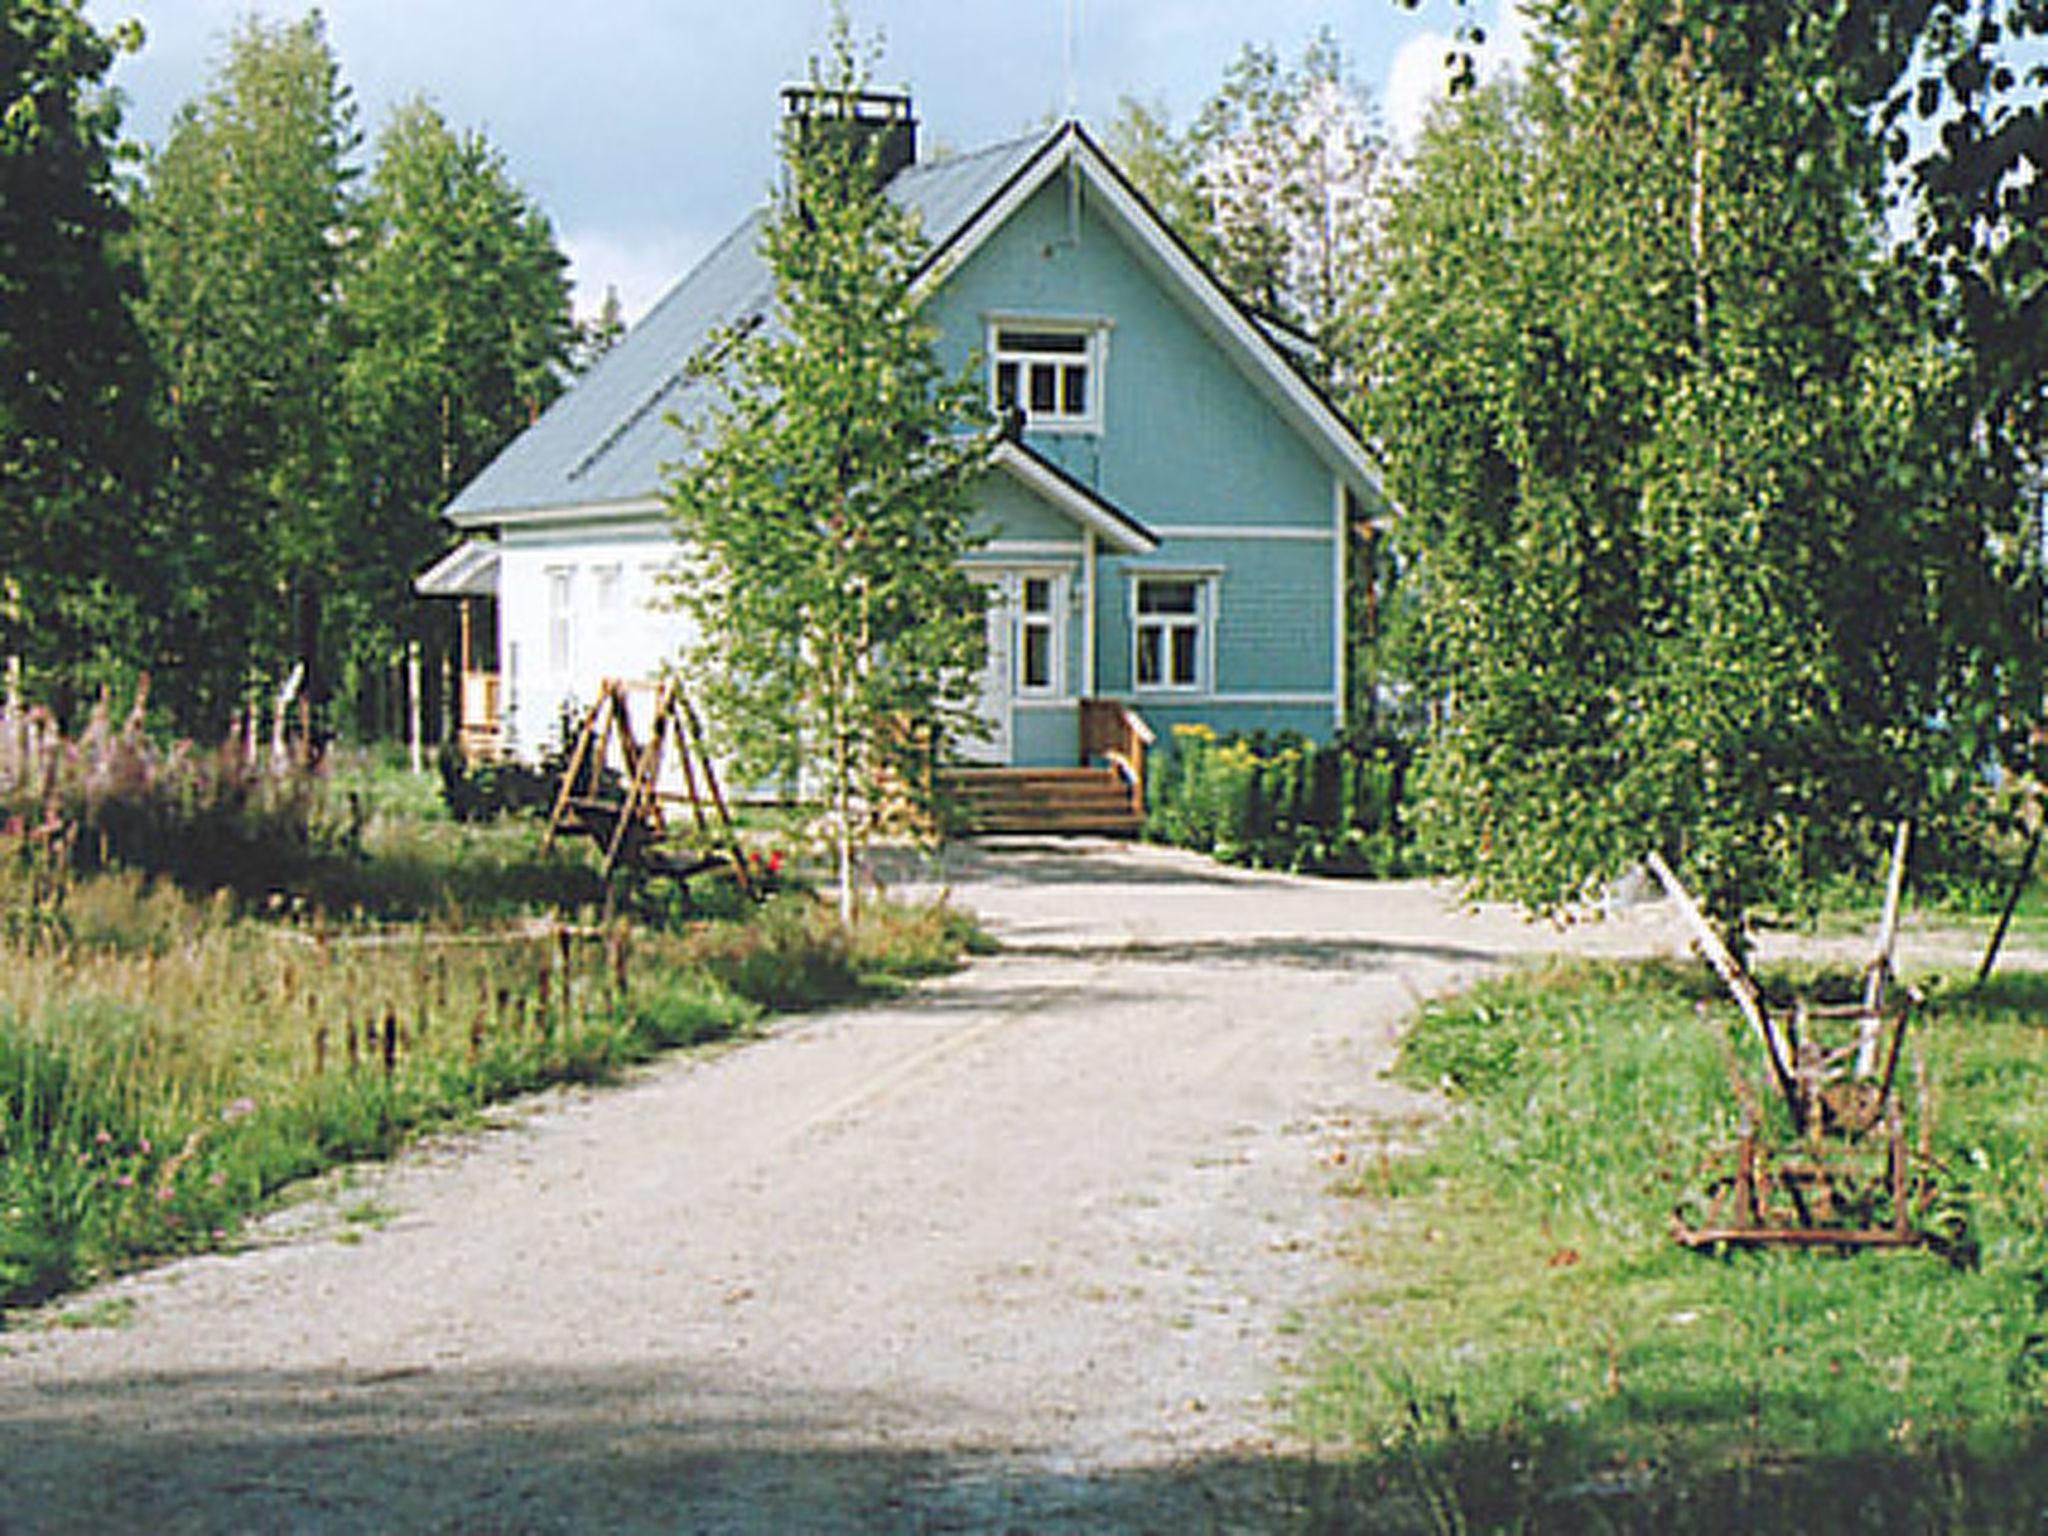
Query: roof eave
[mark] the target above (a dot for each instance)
(1109, 523)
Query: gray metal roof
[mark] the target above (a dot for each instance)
(605, 441)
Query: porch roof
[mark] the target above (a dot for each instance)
(470, 569)
(1083, 503)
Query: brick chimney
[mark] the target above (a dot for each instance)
(880, 123)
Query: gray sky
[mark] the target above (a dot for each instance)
(646, 128)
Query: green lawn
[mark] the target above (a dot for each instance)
(1529, 1349)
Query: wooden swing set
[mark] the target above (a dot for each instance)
(624, 813)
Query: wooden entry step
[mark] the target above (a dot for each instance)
(1044, 800)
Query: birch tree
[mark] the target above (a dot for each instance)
(823, 508)
(1670, 447)
(455, 332)
(241, 221)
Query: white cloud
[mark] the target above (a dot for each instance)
(1420, 71)
(642, 267)
(1415, 79)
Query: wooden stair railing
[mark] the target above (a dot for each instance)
(1114, 733)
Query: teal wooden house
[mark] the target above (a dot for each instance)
(1166, 533)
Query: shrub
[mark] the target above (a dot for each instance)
(1284, 803)
(114, 798)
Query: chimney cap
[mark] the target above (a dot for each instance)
(861, 106)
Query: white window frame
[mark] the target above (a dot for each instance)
(561, 633)
(1202, 624)
(1009, 338)
(1052, 620)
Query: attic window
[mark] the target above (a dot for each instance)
(1052, 373)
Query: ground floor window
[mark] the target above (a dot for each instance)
(1038, 669)
(561, 617)
(1171, 632)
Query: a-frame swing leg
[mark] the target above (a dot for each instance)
(577, 757)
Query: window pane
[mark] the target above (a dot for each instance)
(1184, 636)
(1037, 656)
(1148, 657)
(1006, 385)
(1066, 343)
(1043, 383)
(1166, 597)
(1074, 390)
(1037, 595)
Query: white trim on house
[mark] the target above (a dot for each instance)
(1204, 621)
(1089, 674)
(1164, 699)
(1340, 637)
(635, 510)
(1124, 537)
(1009, 550)
(1246, 532)
(1051, 620)
(470, 569)
(1027, 363)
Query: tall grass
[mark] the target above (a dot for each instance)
(168, 1063)
(1531, 1349)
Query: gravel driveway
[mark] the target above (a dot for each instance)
(1027, 1250)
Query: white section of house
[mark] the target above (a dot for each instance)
(574, 610)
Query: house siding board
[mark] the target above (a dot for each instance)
(1273, 630)
(1007, 511)
(1046, 737)
(628, 638)
(1187, 436)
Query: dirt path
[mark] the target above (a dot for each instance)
(1024, 1251)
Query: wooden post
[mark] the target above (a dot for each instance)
(1737, 980)
(1872, 1023)
(2012, 902)
(412, 708)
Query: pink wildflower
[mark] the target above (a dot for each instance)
(125, 1181)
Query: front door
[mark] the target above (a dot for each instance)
(991, 747)
(1026, 656)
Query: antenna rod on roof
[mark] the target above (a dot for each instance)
(1072, 68)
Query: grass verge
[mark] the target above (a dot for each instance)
(1534, 1352)
(167, 1064)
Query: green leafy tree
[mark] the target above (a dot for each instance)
(1980, 259)
(241, 225)
(1279, 183)
(1665, 443)
(455, 332)
(825, 506)
(598, 334)
(74, 438)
